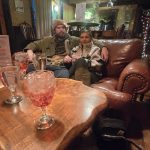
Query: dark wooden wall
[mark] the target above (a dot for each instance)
(16, 38)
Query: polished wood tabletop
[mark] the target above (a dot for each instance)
(74, 108)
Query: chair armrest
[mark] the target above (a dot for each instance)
(135, 78)
(116, 99)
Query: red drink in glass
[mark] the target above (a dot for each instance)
(39, 87)
(42, 99)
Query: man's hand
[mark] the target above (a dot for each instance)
(67, 59)
(104, 54)
(30, 55)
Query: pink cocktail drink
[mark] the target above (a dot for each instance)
(42, 99)
(23, 66)
(39, 87)
(20, 59)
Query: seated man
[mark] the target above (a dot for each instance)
(54, 47)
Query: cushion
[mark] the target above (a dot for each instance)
(121, 53)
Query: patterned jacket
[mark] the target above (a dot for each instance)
(89, 52)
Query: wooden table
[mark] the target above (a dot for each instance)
(74, 108)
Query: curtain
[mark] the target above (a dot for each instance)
(42, 10)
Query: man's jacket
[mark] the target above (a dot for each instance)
(48, 46)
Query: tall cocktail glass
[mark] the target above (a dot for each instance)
(39, 87)
(20, 59)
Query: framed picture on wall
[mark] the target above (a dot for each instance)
(19, 6)
(107, 18)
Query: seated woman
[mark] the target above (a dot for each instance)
(87, 64)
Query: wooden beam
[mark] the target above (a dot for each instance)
(2, 21)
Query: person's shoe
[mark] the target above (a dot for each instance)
(82, 74)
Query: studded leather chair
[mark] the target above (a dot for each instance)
(127, 75)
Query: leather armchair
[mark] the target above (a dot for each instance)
(126, 74)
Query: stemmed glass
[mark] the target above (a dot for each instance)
(10, 77)
(20, 59)
(39, 87)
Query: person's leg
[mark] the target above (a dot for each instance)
(59, 72)
(95, 77)
(81, 72)
(72, 69)
(30, 68)
(77, 64)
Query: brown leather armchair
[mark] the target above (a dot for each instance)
(127, 75)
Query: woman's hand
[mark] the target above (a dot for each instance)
(30, 55)
(74, 58)
(67, 59)
(104, 54)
